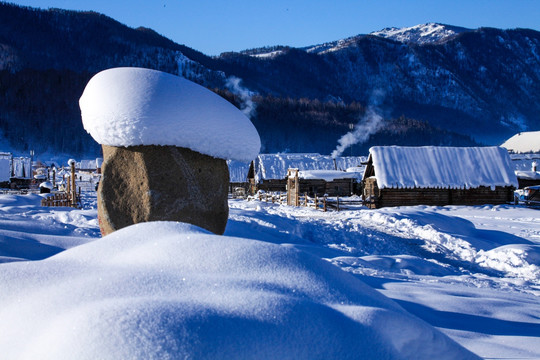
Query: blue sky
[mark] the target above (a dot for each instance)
(213, 27)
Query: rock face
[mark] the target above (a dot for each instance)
(162, 183)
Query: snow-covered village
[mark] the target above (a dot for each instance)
(182, 237)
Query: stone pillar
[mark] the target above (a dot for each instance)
(162, 183)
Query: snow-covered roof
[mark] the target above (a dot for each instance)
(442, 167)
(238, 171)
(275, 166)
(524, 162)
(135, 106)
(529, 175)
(524, 142)
(46, 184)
(87, 164)
(328, 175)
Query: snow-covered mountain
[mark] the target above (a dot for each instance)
(421, 34)
(482, 84)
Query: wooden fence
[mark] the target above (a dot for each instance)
(322, 203)
(61, 199)
(273, 197)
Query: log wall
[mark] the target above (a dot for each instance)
(377, 198)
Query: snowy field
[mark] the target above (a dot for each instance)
(471, 273)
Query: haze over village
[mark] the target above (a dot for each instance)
(370, 197)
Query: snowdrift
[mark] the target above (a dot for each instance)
(168, 290)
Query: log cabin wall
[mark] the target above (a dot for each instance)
(482, 195)
(273, 185)
(441, 197)
(527, 182)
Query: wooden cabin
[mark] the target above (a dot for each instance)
(527, 169)
(528, 178)
(21, 173)
(524, 149)
(430, 175)
(5, 169)
(268, 172)
(238, 176)
(328, 182)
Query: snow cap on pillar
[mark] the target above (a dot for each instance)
(135, 106)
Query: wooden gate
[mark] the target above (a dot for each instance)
(293, 188)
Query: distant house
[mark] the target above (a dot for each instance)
(401, 176)
(238, 175)
(15, 172)
(527, 178)
(93, 165)
(524, 149)
(5, 169)
(530, 177)
(268, 172)
(523, 142)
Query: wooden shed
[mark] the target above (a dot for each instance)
(430, 175)
(329, 182)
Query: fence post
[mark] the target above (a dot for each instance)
(73, 186)
(316, 202)
(338, 203)
(324, 204)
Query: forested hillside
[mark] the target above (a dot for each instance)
(458, 87)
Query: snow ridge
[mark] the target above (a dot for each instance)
(420, 34)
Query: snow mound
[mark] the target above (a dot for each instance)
(135, 106)
(397, 263)
(166, 290)
(524, 142)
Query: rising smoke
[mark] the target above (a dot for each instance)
(368, 125)
(247, 106)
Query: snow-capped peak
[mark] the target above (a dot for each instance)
(420, 34)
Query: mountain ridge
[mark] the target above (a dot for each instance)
(479, 84)
(427, 33)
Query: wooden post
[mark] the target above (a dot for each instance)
(73, 186)
(338, 203)
(324, 204)
(316, 202)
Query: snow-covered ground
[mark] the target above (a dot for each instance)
(149, 291)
